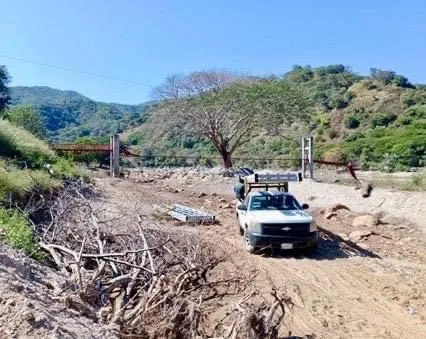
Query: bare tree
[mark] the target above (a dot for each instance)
(180, 86)
(172, 88)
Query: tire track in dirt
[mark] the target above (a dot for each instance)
(351, 305)
(338, 299)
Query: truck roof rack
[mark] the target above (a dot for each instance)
(266, 181)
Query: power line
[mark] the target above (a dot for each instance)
(73, 70)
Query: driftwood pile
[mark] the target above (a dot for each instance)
(144, 279)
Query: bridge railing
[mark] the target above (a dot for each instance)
(81, 147)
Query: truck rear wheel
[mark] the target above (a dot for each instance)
(248, 246)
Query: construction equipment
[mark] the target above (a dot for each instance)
(191, 215)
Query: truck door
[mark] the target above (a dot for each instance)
(243, 215)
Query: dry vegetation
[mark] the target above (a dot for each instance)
(145, 279)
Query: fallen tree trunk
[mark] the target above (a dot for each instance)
(366, 188)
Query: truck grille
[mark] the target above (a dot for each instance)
(295, 229)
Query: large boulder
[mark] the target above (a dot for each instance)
(365, 220)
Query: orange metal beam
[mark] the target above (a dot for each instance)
(81, 147)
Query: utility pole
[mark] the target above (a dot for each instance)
(114, 164)
(308, 157)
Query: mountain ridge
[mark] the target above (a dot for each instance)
(69, 115)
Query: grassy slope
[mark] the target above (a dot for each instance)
(23, 177)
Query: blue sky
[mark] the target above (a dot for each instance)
(144, 41)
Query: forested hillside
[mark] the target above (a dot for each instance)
(379, 120)
(68, 115)
(212, 117)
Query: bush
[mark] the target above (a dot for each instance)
(414, 97)
(365, 158)
(135, 138)
(17, 233)
(148, 157)
(354, 136)
(334, 154)
(352, 122)
(403, 121)
(64, 169)
(207, 162)
(332, 134)
(417, 111)
(383, 119)
(391, 164)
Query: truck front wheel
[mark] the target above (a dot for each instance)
(240, 229)
(249, 247)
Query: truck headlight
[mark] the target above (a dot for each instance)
(313, 227)
(256, 228)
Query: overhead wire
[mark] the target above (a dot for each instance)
(73, 70)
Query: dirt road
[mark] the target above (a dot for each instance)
(370, 288)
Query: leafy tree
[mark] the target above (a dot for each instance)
(390, 77)
(331, 69)
(148, 157)
(27, 117)
(384, 76)
(4, 91)
(300, 74)
(228, 120)
(402, 81)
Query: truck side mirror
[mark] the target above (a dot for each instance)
(305, 206)
(242, 207)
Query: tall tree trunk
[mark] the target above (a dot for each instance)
(227, 159)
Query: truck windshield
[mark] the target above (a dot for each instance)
(274, 202)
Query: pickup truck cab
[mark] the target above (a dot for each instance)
(275, 219)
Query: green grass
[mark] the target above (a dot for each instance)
(16, 142)
(20, 182)
(15, 231)
(25, 150)
(404, 147)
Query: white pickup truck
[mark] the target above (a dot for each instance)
(275, 219)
